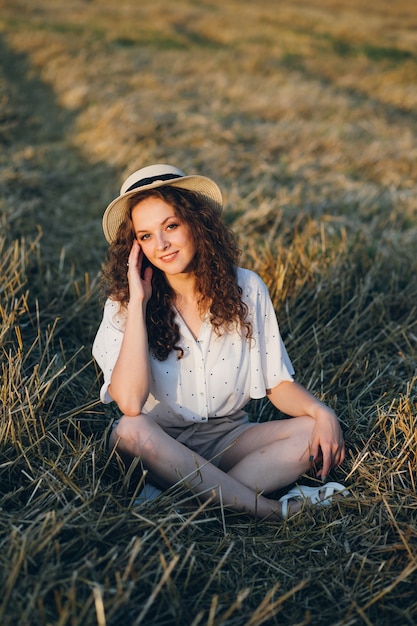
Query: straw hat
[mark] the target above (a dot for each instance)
(151, 177)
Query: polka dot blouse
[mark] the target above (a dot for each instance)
(217, 375)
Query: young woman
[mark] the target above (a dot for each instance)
(187, 338)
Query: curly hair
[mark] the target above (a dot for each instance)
(214, 269)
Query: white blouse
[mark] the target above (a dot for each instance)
(217, 374)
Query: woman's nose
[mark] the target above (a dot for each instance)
(162, 243)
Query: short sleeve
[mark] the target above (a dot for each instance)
(269, 361)
(107, 344)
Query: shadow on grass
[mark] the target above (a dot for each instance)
(49, 314)
(46, 181)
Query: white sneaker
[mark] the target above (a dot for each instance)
(148, 493)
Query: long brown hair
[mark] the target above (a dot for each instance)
(214, 269)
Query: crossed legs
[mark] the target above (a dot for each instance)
(264, 458)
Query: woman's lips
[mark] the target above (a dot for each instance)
(168, 257)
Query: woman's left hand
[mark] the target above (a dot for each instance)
(327, 444)
(327, 440)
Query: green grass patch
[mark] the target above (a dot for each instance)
(372, 52)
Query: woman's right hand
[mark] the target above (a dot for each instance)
(140, 289)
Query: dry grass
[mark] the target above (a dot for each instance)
(305, 114)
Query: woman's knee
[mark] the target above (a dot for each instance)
(307, 425)
(304, 428)
(302, 436)
(135, 436)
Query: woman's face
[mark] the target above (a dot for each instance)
(165, 239)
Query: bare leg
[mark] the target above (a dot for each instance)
(171, 461)
(270, 455)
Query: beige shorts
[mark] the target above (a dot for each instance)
(211, 439)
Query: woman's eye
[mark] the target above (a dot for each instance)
(172, 226)
(144, 237)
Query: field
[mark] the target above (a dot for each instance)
(305, 113)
